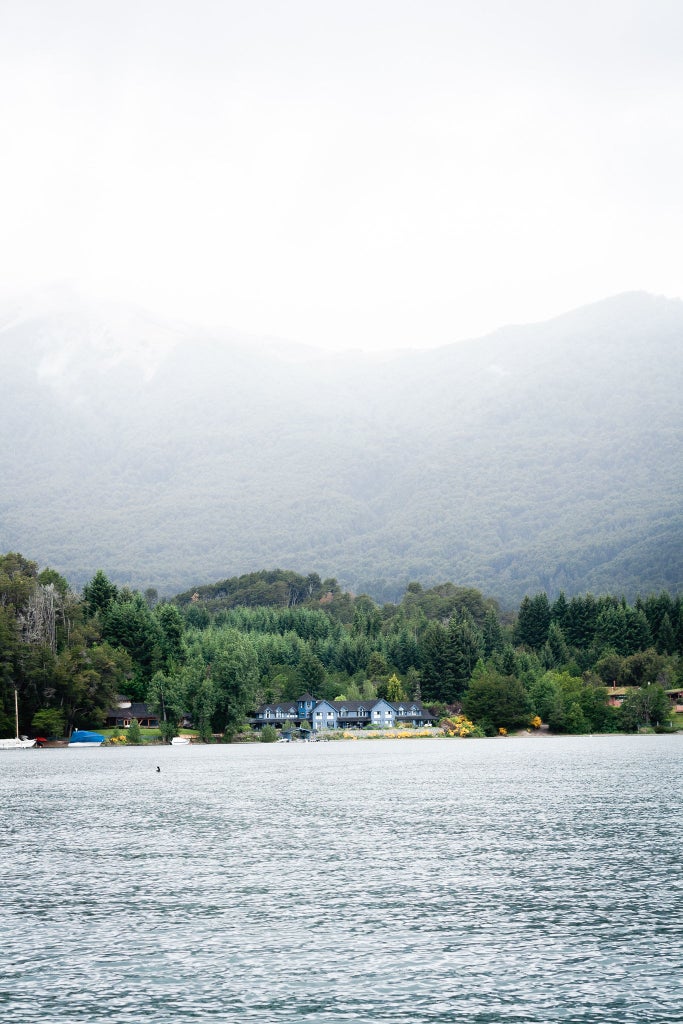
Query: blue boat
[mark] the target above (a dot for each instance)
(83, 738)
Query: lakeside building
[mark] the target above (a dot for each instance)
(127, 711)
(342, 714)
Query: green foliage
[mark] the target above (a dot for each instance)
(572, 704)
(494, 700)
(50, 577)
(311, 671)
(128, 623)
(49, 722)
(533, 622)
(440, 645)
(7, 725)
(269, 734)
(134, 733)
(17, 580)
(259, 590)
(170, 636)
(395, 691)
(99, 593)
(644, 706)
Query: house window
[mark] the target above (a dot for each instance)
(361, 711)
(343, 712)
(267, 714)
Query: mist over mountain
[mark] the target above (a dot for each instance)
(538, 457)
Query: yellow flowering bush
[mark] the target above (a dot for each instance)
(460, 725)
(536, 722)
(502, 731)
(404, 733)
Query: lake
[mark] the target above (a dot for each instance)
(503, 880)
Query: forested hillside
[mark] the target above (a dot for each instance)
(545, 457)
(216, 654)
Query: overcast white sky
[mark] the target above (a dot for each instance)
(349, 173)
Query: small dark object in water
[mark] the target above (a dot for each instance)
(158, 768)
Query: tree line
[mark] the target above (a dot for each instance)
(217, 652)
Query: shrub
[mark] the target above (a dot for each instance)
(134, 732)
(49, 721)
(269, 734)
(459, 725)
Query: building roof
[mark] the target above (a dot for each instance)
(350, 706)
(135, 709)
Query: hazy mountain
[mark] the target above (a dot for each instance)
(544, 456)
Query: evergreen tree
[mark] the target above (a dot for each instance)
(434, 658)
(533, 622)
(395, 692)
(172, 628)
(311, 671)
(465, 646)
(638, 633)
(555, 651)
(666, 639)
(99, 594)
(559, 609)
(413, 684)
(611, 630)
(492, 634)
(579, 624)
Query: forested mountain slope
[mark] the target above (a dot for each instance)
(538, 457)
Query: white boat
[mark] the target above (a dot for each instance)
(180, 741)
(17, 742)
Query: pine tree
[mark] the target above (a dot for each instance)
(666, 639)
(492, 633)
(533, 621)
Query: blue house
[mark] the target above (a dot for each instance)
(348, 714)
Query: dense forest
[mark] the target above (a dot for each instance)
(217, 651)
(539, 458)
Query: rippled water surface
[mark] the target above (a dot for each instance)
(399, 881)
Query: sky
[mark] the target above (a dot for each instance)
(346, 174)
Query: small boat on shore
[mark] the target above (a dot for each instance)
(180, 741)
(17, 742)
(84, 738)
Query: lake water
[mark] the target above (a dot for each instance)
(503, 880)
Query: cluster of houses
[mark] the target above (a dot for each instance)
(319, 714)
(341, 714)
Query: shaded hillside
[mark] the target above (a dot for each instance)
(537, 457)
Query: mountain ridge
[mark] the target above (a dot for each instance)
(538, 455)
